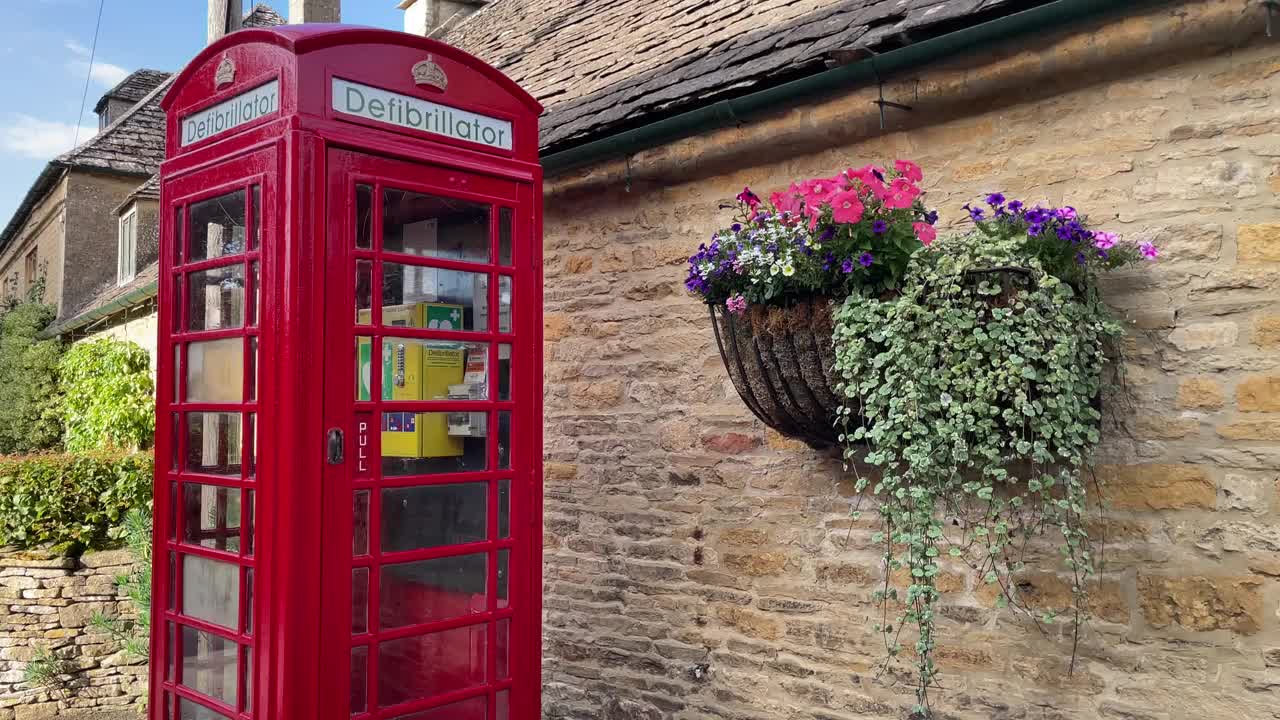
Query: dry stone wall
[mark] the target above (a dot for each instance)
(699, 566)
(47, 601)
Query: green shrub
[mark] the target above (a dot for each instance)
(106, 396)
(70, 499)
(29, 405)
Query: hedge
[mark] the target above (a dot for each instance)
(62, 499)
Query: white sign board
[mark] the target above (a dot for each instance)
(384, 106)
(230, 114)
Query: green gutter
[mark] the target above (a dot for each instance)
(1052, 16)
(124, 302)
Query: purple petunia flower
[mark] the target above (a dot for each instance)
(865, 259)
(1080, 258)
(975, 213)
(736, 227)
(1015, 206)
(995, 199)
(1065, 213)
(931, 217)
(879, 227)
(1035, 229)
(847, 266)
(828, 260)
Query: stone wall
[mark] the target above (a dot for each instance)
(47, 601)
(699, 566)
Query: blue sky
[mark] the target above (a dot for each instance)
(44, 54)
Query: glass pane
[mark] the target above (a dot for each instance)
(173, 584)
(504, 440)
(188, 710)
(171, 666)
(255, 216)
(504, 508)
(215, 371)
(177, 304)
(213, 443)
(360, 524)
(434, 226)
(177, 237)
(430, 590)
(359, 679)
(255, 310)
(251, 443)
(364, 292)
(364, 217)
(435, 298)
(434, 515)
(252, 374)
(504, 371)
(504, 566)
(247, 664)
(177, 372)
(502, 649)
(211, 516)
(216, 299)
(432, 443)
(504, 235)
(175, 442)
(359, 600)
(217, 226)
(209, 665)
(504, 304)
(502, 705)
(173, 510)
(475, 708)
(453, 660)
(211, 591)
(249, 524)
(248, 600)
(415, 369)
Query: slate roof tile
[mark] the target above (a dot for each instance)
(600, 66)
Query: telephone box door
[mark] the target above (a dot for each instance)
(430, 587)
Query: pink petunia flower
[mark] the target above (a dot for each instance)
(847, 207)
(925, 232)
(1149, 250)
(736, 304)
(909, 170)
(1104, 240)
(788, 200)
(901, 194)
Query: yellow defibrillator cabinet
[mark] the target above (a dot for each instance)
(415, 369)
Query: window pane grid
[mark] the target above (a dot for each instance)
(373, 326)
(214, 532)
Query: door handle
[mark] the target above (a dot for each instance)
(335, 446)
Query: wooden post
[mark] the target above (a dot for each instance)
(224, 17)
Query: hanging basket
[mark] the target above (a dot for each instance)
(782, 364)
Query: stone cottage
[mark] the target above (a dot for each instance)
(700, 566)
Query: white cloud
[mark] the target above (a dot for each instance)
(103, 73)
(40, 139)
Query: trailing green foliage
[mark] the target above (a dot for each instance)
(28, 380)
(47, 670)
(134, 635)
(107, 396)
(70, 499)
(974, 393)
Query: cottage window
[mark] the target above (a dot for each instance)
(31, 267)
(126, 262)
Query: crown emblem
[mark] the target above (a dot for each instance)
(226, 73)
(430, 74)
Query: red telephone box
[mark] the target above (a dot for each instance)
(348, 505)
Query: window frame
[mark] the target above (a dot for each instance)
(127, 261)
